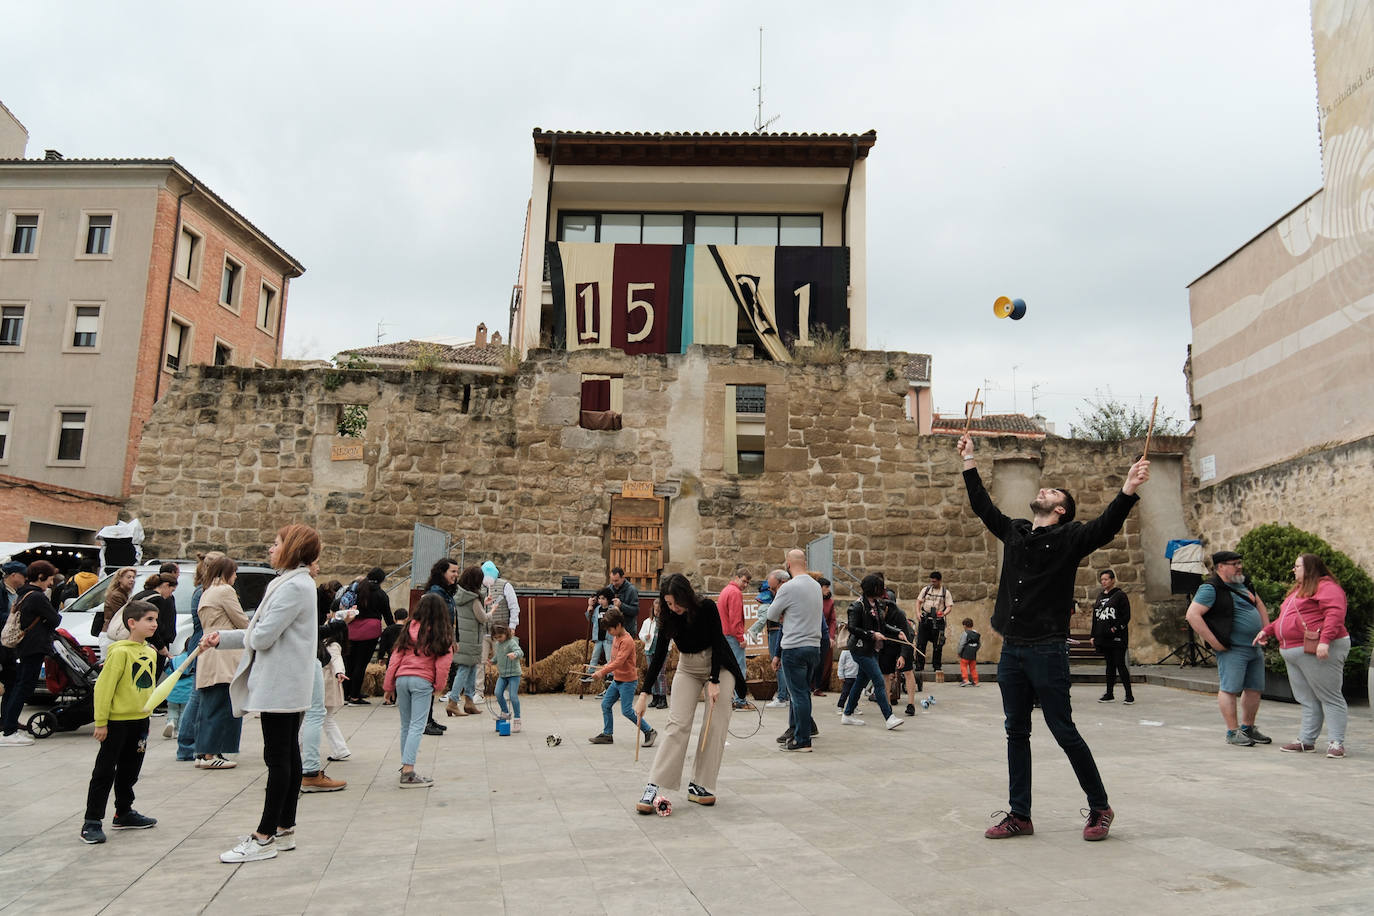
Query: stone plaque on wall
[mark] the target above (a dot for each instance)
(346, 451)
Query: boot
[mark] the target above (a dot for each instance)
(469, 707)
(453, 709)
(514, 726)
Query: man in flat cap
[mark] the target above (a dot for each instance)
(1228, 616)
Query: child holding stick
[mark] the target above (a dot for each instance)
(624, 677)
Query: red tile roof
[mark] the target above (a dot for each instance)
(993, 424)
(489, 355)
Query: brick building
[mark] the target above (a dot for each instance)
(114, 275)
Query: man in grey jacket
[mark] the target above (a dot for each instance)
(799, 600)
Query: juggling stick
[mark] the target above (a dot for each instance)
(161, 691)
(706, 728)
(968, 414)
(1150, 432)
(639, 724)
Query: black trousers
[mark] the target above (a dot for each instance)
(1116, 664)
(359, 654)
(930, 630)
(118, 763)
(281, 751)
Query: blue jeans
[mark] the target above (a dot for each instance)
(601, 650)
(868, 672)
(775, 650)
(737, 647)
(625, 690)
(464, 682)
(413, 696)
(189, 725)
(800, 664)
(1023, 673)
(509, 686)
(312, 724)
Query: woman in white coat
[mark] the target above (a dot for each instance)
(276, 680)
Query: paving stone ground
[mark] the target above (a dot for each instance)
(872, 822)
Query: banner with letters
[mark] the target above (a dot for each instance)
(664, 298)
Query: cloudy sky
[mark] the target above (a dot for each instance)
(1090, 158)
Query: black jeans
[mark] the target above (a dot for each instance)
(359, 655)
(929, 630)
(117, 763)
(281, 751)
(18, 694)
(1116, 664)
(1023, 673)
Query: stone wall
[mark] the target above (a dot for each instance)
(1326, 492)
(231, 454)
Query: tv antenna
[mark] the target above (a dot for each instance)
(760, 125)
(381, 330)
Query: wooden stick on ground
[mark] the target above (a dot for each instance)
(1150, 432)
(968, 412)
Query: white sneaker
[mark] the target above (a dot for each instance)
(18, 739)
(893, 722)
(443, 698)
(775, 703)
(169, 730)
(285, 840)
(250, 849)
(851, 720)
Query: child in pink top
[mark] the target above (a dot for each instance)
(419, 660)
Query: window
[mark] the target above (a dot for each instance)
(224, 354)
(99, 229)
(231, 284)
(624, 228)
(763, 229)
(744, 429)
(800, 230)
(750, 399)
(178, 343)
(578, 228)
(12, 325)
(602, 401)
(190, 245)
(267, 309)
(24, 234)
(71, 435)
(5, 433)
(714, 229)
(85, 327)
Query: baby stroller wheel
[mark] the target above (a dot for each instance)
(41, 724)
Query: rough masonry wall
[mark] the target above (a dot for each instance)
(231, 454)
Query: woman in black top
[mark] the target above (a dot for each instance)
(374, 613)
(692, 623)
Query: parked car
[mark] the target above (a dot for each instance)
(251, 583)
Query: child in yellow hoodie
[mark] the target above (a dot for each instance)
(121, 725)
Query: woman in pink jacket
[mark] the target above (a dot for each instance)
(419, 661)
(1316, 603)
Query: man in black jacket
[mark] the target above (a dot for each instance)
(1034, 602)
(1111, 624)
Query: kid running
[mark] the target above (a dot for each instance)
(419, 661)
(624, 676)
(121, 725)
(506, 648)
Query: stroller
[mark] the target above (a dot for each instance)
(71, 671)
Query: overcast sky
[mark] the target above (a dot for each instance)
(1090, 158)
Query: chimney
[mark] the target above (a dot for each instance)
(480, 340)
(52, 155)
(496, 339)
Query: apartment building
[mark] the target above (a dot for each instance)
(114, 275)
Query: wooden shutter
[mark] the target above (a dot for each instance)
(637, 539)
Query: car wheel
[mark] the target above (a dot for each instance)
(41, 724)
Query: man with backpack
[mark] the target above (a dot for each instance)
(935, 602)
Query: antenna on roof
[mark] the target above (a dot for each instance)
(381, 330)
(760, 125)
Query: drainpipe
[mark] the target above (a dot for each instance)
(844, 207)
(548, 198)
(167, 301)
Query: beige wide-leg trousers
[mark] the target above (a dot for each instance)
(693, 671)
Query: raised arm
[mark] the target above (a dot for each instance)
(978, 496)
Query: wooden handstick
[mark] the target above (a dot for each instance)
(639, 724)
(706, 728)
(1149, 432)
(968, 414)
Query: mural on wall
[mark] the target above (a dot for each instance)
(664, 298)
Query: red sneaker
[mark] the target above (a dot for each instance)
(1099, 823)
(1010, 826)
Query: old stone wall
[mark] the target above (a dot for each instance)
(1326, 492)
(231, 454)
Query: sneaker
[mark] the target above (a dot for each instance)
(893, 722)
(169, 730)
(911, 709)
(18, 739)
(599, 695)
(792, 745)
(1297, 747)
(340, 758)
(361, 702)
(1335, 750)
(1010, 826)
(775, 703)
(645, 805)
(786, 736)
(700, 795)
(318, 782)
(602, 738)
(515, 726)
(159, 712)
(1255, 735)
(1239, 738)
(91, 832)
(650, 737)
(851, 720)
(443, 698)
(434, 730)
(217, 762)
(1099, 823)
(1106, 698)
(250, 849)
(414, 780)
(1129, 701)
(738, 706)
(384, 703)
(285, 840)
(132, 820)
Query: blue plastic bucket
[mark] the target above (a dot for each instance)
(503, 726)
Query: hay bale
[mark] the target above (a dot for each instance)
(550, 673)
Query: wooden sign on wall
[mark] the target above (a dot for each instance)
(346, 451)
(637, 489)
